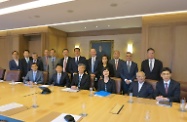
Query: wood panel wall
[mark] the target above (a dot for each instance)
(167, 34)
(33, 39)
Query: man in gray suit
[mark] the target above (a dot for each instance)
(117, 63)
(45, 60)
(128, 72)
(34, 76)
(52, 62)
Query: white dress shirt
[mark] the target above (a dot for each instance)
(140, 86)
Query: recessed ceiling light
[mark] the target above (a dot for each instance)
(36, 16)
(84, 27)
(96, 26)
(31, 5)
(113, 4)
(70, 11)
(1, 1)
(108, 25)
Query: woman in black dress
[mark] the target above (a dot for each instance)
(105, 64)
(106, 83)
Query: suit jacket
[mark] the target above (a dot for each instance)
(13, 65)
(110, 67)
(64, 80)
(45, 64)
(119, 68)
(74, 66)
(155, 74)
(146, 90)
(38, 78)
(96, 66)
(67, 65)
(50, 66)
(173, 91)
(85, 81)
(110, 85)
(129, 75)
(24, 66)
(39, 64)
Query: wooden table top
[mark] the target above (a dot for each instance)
(97, 108)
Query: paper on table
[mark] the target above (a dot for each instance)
(61, 118)
(9, 106)
(44, 86)
(69, 90)
(15, 83)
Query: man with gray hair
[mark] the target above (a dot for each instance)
(81, 80)
(140, 88)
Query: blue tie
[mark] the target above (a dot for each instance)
(58, 78)
(34, 76)
(92, 66)
(79, 84)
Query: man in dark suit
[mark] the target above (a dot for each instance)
(151, 66)
(14, 64)
(81, 80)
(65, 61)
(25, 63)
(45, 60)
(36, 61)
(76, 60)
(60, 78)
(117, 63)
(34, 76)
(140, 88)
(167, 89)
(128, 72)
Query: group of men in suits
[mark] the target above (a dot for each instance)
(126, 70)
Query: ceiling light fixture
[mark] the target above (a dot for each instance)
(31, 5)
(100, 19)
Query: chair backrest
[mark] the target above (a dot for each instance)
(2, 73)
(183, 88)
(118, 84)
(45, 77)
(12, 75)
(152, 82)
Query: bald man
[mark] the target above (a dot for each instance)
(117, 63)
(140, 88)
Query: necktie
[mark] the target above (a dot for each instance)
(79, 84)
(76, 60)
(53, 63)
(116, 64)
(58, 78)
(64, 65)
(166, 88)
(46, 59)
(34, 76)
(151, 65)
(128, 66)
(93, 63)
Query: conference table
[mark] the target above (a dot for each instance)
(98, 109)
